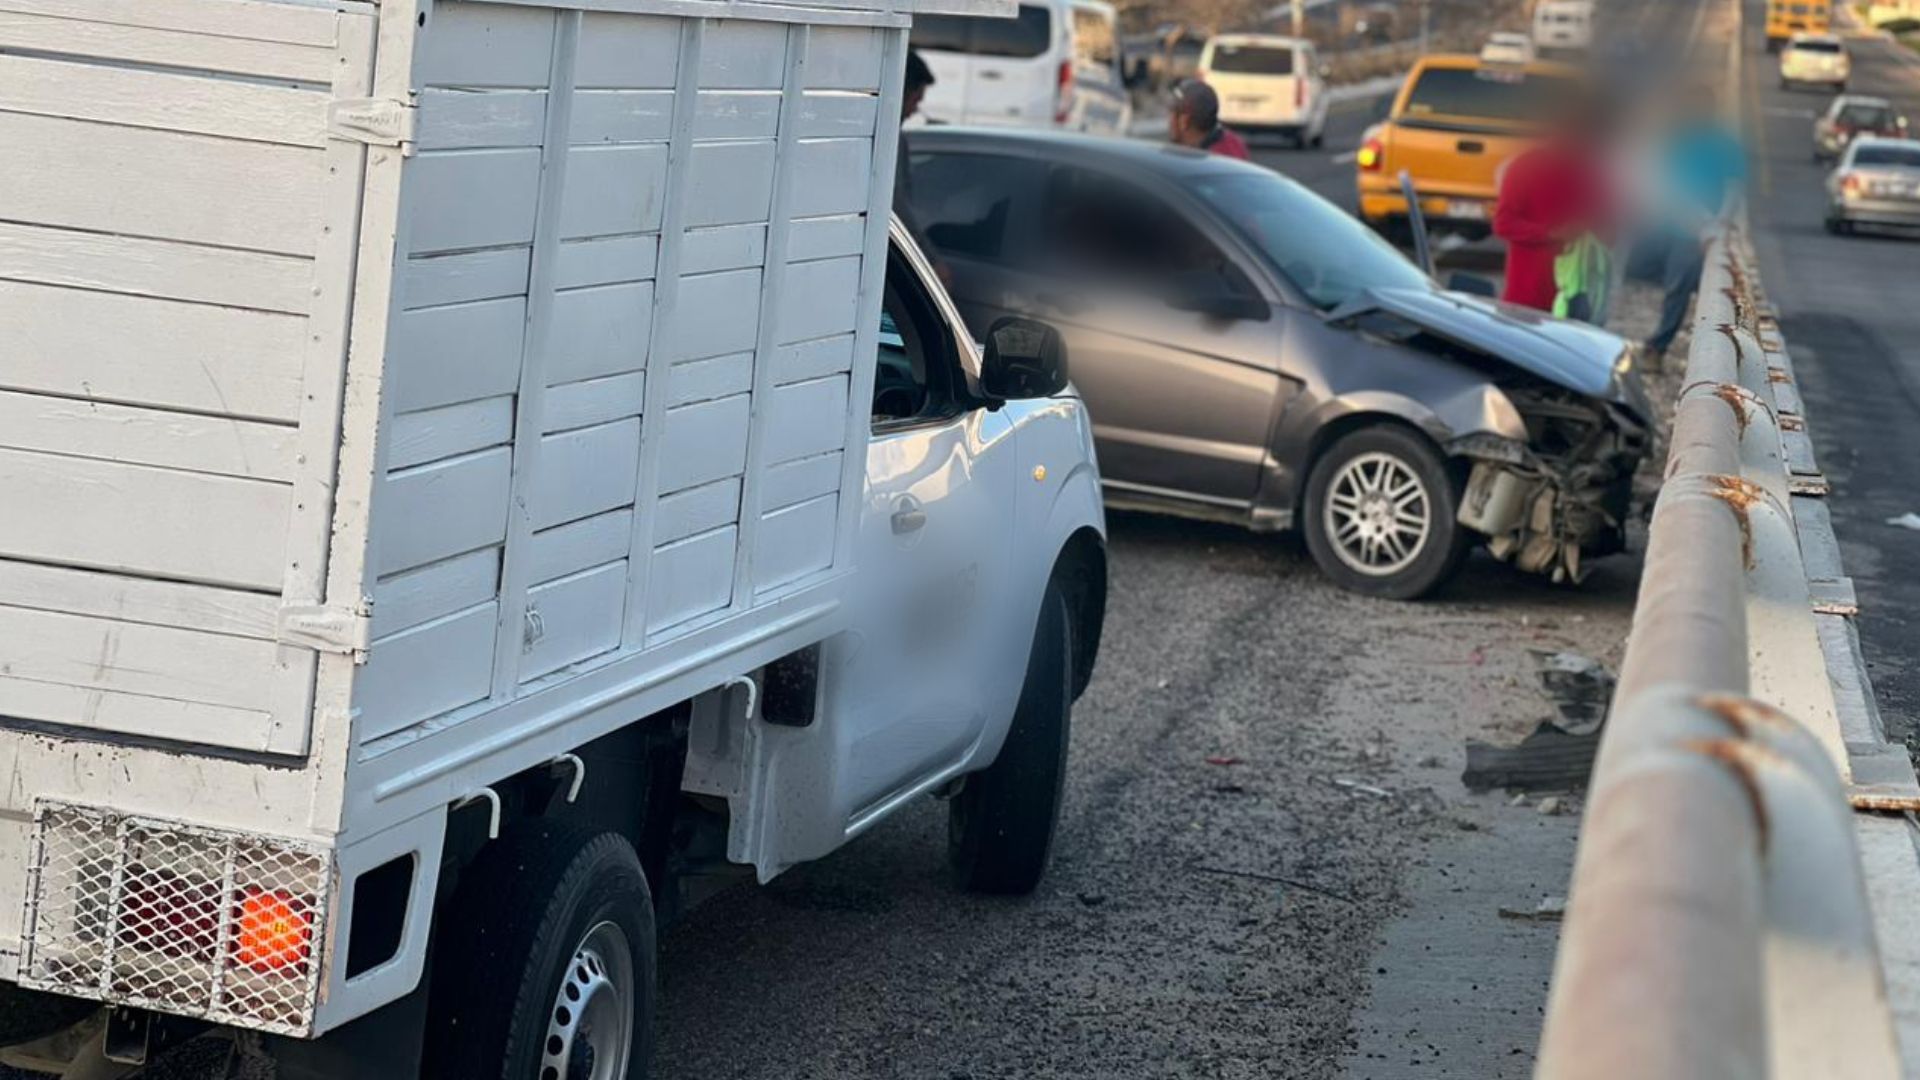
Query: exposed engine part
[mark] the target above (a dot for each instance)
(1548, 505)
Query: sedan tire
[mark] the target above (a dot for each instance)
(1381, 514)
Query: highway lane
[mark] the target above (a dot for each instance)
(1850, 310)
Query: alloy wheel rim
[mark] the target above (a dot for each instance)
(590, 1024)
(1378, 514)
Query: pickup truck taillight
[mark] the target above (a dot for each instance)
(1372, 155)
(1300, 93)
(1063, 93)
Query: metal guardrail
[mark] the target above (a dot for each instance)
(1718, 923)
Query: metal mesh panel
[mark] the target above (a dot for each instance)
(179, 918)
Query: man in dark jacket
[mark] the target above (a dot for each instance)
(1195, 121)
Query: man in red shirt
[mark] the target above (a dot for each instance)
(1550, 195)
(1195, 121)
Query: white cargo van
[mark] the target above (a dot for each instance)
(469, 469)
(1268, 83)
(1056, 63)
(1563, 26)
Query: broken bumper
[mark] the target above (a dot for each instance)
(1551, 509)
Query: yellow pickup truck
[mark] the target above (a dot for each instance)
(1454, 122)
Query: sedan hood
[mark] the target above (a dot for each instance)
(1574, 355)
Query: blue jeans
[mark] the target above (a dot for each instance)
(1680, 276)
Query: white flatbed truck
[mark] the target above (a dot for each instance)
(469, 469)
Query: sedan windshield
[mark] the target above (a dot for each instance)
(1330, 256)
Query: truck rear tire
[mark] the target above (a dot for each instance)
(546, 964)
(1000, 826)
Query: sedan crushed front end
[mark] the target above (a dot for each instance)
(1556, 492)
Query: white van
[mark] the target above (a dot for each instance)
(1565, 25)
(489, 472)
(1268, 83)
(1056, 64)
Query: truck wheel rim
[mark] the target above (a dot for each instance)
(590, 1026)
(1378, 514)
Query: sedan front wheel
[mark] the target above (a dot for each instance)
(1381, 514)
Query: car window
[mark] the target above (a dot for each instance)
(1092, 38)
(965, 202)
(1098, 227)
(1499, 94)
(916, 368)
(1866, 116)
(1828, 47)
(1024, 36)
(1328, 254)
(1232, 59)
(1902, 156)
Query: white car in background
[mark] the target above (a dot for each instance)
(1876, 183)
(1268, 83)
(1055, 64)
(1815, 60)
(1563, 25)
(1507, 47)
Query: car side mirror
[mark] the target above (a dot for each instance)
(1471, 284)
(1024, 359)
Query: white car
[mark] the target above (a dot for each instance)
(1563, 25)
(1055, 64)
(1815, 60)
(1268, 83)
(1507, 47)
(1876, 183)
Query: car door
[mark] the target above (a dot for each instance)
(1182, 400)
(945, 42)
(1014, 72)
(973, 208)
(933, 549)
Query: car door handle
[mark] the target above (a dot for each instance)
(1471, 146)
(906, 522)
(988, 76)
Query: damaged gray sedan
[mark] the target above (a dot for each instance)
(1251, 354)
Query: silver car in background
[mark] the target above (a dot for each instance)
(1249, 353)
(1876, 183)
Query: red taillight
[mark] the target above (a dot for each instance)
(1299, 93)
(1063, 93)
(272, 931)
(1371, 156)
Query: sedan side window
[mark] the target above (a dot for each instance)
(966, 202)
(1101, 227)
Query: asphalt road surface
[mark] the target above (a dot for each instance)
(1849, 311)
